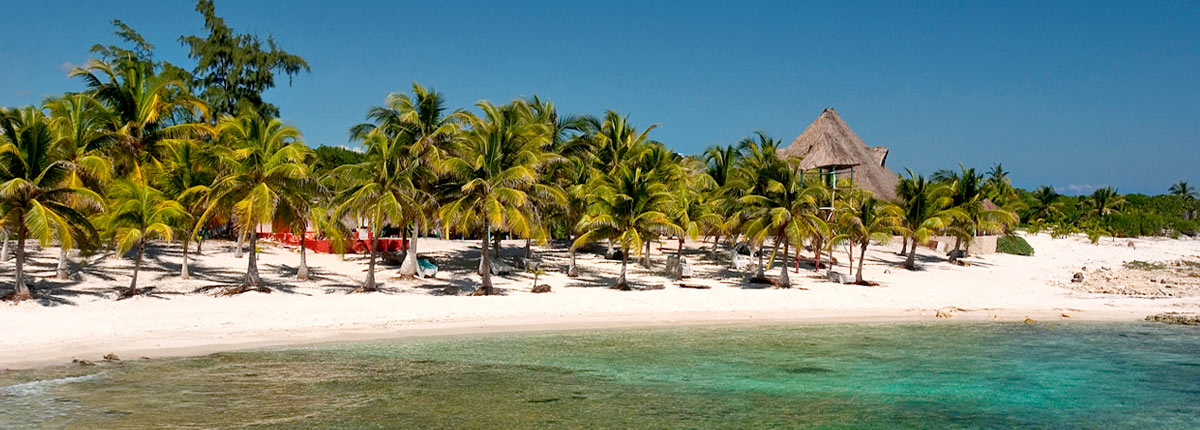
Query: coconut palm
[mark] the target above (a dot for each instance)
(785, 209)
(967, 195)
(927, 210)
(382, 189)
(497, 163)
(862, 218)
(140, 213)
(186, 176)
(36, 198)
(628, 206)
(145, 109)
(427, 132)
(79, 120)
(1046, 204)
(1104, 201)
(264, 162)
(690, 210)
(1183, 190)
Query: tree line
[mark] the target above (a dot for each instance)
(152, 153)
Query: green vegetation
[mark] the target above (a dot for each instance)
(1013, 244)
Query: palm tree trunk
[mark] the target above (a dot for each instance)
(237, 251)
(817, 261)
(253, 281)
(369, 284)
(679, 261)
(911, 262)
(302, 272)
(761, 271)
(528, 245)
(858, 277)
(137, 265)
(904, 245)
(784, 282)
(496, 245)
(183, 270)
(572, 269)
(622, 283)
(62, 272)
(408, 269)
(199, 241)
(4, 249)
(485, 263)
(21, 291)
(646, 256)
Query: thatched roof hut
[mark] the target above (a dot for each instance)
(829, 144)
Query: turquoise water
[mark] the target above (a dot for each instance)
(942, 375)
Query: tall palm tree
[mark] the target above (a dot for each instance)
(140, 213)
(497, 163)
(186, 176)
(79, 120)
(36, 198)
(627, 206)
(382, 188)
(1183, 190)
(927, 209)
(690, 210)
(422, 132)
(264, 163)
(1105, 201)
(864, 218)
(146, 109)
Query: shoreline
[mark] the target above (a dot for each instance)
(193, 346)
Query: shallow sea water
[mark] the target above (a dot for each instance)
(934, 375)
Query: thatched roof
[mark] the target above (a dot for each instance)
(828, 143)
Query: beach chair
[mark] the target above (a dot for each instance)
(426, 268)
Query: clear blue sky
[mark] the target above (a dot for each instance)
(1076, 95)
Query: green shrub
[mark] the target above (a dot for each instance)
(1012, 244)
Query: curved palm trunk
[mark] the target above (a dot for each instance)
(21, 291)
(858, 277)
(369, 284)
(302, 272)
(4, 249)
(409, 268)
(183, 270)
(237, 252)
(911, 262)
(818, 242)
(199, 241)
(62, 272)
(572, 269)
(784, 282)
(485, 263)
(137, 266)
(253, 281)
(622, 283)
(904, 245)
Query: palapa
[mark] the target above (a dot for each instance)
(829, 144)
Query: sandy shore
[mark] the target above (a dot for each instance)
(81, 319)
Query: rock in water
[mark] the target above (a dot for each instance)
(1077, 278)
(943, 313)
(1029, 320)
(111, 357)
(544, 288)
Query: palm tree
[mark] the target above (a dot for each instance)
(927, 210)
(1105, 201)
(967, 194)
(690, 210)
(186, 176)
(627, 206)
(382, 188)
(146, 109)
(265, 163)
(1045, 204)
(864, 218)
(427, 135)
(497, 162)
(1183, 190)
(36, 198)
(140, 213)
(79, 119)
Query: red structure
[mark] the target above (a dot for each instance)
(356, 246)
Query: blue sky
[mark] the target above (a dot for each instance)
(1072, 94)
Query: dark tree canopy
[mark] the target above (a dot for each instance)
(233, 70)
(330, 157)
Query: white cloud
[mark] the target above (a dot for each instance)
(357, 149)
(1081, 188)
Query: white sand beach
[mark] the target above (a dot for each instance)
(81, 318)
